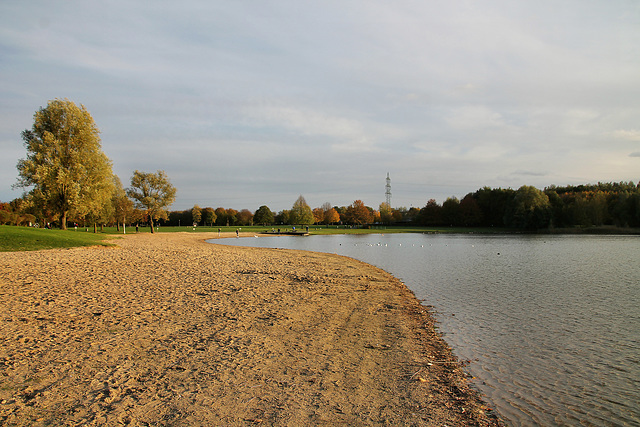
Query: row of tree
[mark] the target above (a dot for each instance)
(616, 204)
(528, 208)
(299, 214)
(71, 179)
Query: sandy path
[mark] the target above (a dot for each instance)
(165, 329)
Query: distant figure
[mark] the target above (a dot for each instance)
(237, 233)
(136, 228)
(219, 232)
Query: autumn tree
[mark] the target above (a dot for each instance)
(153, 193)
(318, 215)
(232, 216)
(263, 216)
(386, 213)
(122, 205)
(196, 214)
(245, 217)
(209, 216)
(301, 213)
(359, 214)
(331, 216)
(65, 165)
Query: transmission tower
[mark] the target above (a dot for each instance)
(387, 193)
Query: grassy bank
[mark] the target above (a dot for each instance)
(31, 239)
(332, 229)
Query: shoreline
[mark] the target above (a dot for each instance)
(169, 329)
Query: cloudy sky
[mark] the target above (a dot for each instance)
(247, 103)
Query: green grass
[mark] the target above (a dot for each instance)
(313, 229)
(14, 238)
(31, 239)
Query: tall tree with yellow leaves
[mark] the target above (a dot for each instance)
(65, 167)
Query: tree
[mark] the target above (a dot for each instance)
(470, 214)
(221, 216)
(232, 216)
(153, 193)
(386, 213)
(283, 217)
(196, 214)
(451, 211)
(209, 216)
(245, 217)
(65, 164)
(122, 205)
(530, 209)
(301, 213)
(318, 215)
(263, 216)
(358, 213)
(331, 216)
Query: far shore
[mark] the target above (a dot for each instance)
(166, 329)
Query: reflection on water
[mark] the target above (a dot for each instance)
(550, 323)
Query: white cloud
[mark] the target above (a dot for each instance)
(627, 135)
(475, 117)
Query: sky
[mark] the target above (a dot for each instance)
(251, 103)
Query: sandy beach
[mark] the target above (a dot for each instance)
(166, 329)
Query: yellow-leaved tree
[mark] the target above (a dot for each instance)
(153, 193)
(65, 167)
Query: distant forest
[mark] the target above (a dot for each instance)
(527, 208)
(616, 204)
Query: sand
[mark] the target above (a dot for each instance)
(166, 329)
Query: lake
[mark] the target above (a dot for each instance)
(551, 324)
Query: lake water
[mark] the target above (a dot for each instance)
(551, 324)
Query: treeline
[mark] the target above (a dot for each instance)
(299, 214)
(615, 204)
(527, 208)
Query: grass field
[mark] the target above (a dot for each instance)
(31, 239)
(332, 229)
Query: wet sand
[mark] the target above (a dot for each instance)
(166, 329)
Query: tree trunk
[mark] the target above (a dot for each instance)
(95, 227)
(151, 222)
(63, 221)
